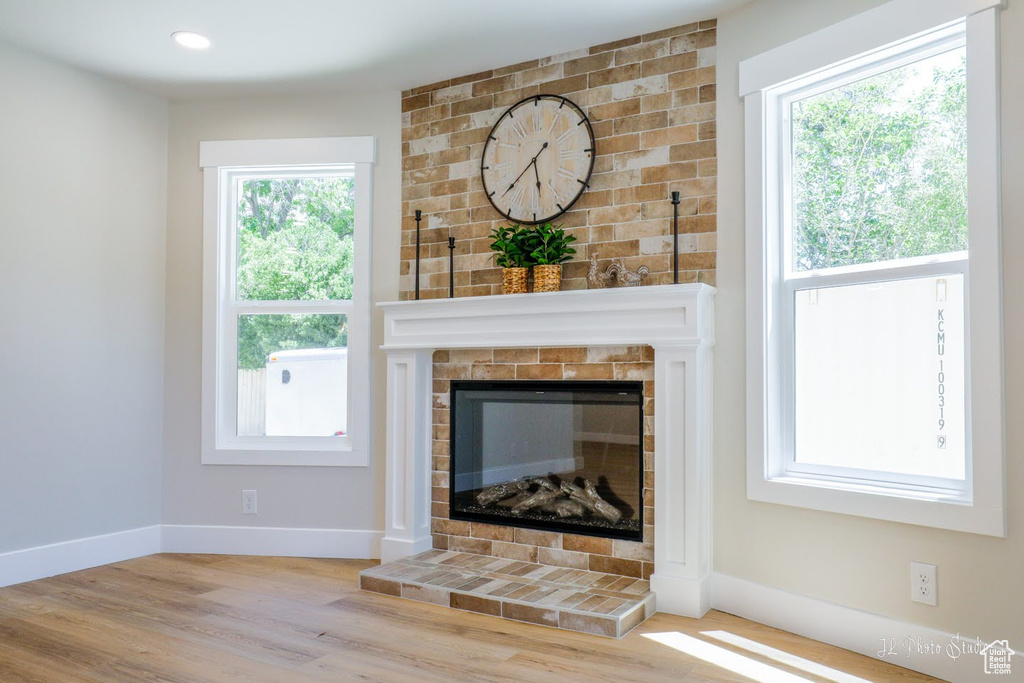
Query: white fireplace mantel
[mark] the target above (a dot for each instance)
(676, 320)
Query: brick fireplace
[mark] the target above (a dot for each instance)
(562, 549)
(660, 336)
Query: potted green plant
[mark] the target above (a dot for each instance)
(549, 248)
(512, 255)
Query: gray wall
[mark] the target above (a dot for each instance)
(304, 497)
(853, 561)
(82, 228)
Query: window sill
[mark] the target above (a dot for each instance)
(894, 505)
(286, 458)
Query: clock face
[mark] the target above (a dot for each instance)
(538, 159)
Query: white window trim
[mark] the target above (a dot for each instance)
(220, 161)
(982, 508)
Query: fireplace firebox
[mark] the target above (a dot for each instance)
(554, 455)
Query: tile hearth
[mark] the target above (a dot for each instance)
(572, 599)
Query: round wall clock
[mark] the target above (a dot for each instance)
(538, 159)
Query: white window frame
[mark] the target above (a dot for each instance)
(877, 40)
(223, 163)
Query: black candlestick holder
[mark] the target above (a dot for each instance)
(418, 216)
(451, 267)
(675, 237)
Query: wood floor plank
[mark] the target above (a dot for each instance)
(220, 619)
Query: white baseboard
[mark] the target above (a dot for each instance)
(42, 561)
(244, 540)
(392, 549)
(685, 597)
(849, 628)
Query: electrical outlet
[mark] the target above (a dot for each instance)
(249, 502)
(924, 586)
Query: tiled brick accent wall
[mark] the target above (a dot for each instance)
(651, 99)
(627, 558)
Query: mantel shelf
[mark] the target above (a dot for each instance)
(657, 315)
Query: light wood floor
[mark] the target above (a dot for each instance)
(193, 618)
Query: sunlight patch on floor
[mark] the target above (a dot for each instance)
(785, 658)
(725, 659)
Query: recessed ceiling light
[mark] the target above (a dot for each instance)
(191, 40)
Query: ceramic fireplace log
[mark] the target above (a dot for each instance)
(565, 508)
(513, 501)
(544, 483)
(498, 492)
(592, 500)
(537, 500)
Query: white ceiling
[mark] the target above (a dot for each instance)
(276, 46)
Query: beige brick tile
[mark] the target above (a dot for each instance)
(618, 74)
(587, 544)
(480, 546)
(564, 86)
(516, 355)
(547, 539)
(493, 372)
(429, 114)
(514, 551)
(641, 52)
(634, 371)
(589, 63)
(693, 41)
(614, 45)
(638, 88)
(643, 158)
(691, 78)
(426, 88)
(563, 355)
(471, 356)
(641, 122)
(615, 214)
(631, 550)
(615, 565)
(674, 31)
(588, 371)
(669, 136)
(656, 102)
(669, 172)
(521, 66)
(563, 558)
(416, 102)
(540, 74)
(674, 62)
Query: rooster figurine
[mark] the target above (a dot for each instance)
(596, 280)
(626, 277)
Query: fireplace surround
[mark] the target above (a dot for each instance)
(551, 455)
(676, 321)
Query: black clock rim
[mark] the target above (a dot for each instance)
(590, 170)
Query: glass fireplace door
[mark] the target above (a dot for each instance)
(558, 455)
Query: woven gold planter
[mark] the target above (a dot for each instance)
(514, 280)
(547, 278)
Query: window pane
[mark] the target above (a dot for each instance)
(880, 376)
(292, 375)
(295, 238)
(879, 167)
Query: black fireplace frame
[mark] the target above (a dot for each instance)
(634, 387)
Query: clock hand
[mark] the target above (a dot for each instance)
(533, 162)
